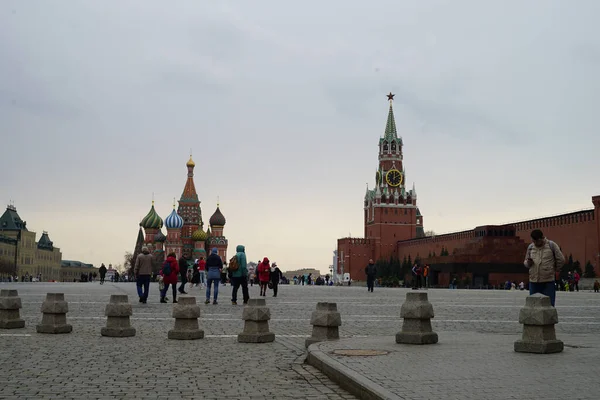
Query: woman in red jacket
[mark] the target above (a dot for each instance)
(170, 279)
(264, 275)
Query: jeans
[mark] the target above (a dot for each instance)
(370, 283)
(275, 285)
(143, 281)
(164, 291)
(545, 288)
(237, 282)
(216, 290)
(183, 282)
(202, 275)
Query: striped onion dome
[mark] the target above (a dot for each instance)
(160, 237)
(199, 235)
(152, 220)
(174, 221)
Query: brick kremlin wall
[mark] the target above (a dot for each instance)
(577, 233)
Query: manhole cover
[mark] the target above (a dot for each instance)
(362, 353)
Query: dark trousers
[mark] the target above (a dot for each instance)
(275, 284)
(183, 282)
(370, 283)
(237, 282)
(164, 291)
(417, 281)
(545, 288)
(143, 282)
(102, 279)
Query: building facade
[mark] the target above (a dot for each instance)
(184, 226)
(486, 255)
(22, 256)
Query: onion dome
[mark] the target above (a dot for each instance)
(191, 162)
(174, 221)
(160, 237)
(152, 220)
(199, 236)
(217, 218)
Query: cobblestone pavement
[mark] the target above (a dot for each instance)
(84, 364)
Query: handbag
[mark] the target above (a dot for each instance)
(270, 285)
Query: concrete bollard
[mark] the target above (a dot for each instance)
(417, 312)
(54, 315)
(325, 321)
(10, 303)
(186, 313)
(117, 312)
(538, 318)
(256, 316)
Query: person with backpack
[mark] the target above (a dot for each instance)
(169, 271)
(543, 258)
(142, 271)
(214, 265)
(238, 267)
(370, 271)
(275, 277)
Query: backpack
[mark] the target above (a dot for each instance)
(233, 264)
(166, 269)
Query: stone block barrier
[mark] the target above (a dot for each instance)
(326, 321)
(117, 312)
(417, 312)
(10, 304)
(538, 318)
(256, 316)
(54, 315)
(186, 313)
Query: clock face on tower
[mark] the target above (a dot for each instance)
(393, 177)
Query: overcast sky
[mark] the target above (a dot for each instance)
(283, 104)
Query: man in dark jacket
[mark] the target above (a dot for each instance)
(275, 277)
(370, 270)
(183, 267)
(102, 271)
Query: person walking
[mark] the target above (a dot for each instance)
(183, 267)
(202, 272)
(214, 265)
(142, 271)
(426, 276)
(102, 271)
(576, 278)
(170, 270)
(370, 271)
(275, 277)
(264, 275)
(543, 258)
(239, 277)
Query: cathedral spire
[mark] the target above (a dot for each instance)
(189, 191)
(390, 126)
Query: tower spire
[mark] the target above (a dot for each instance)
(390, 126)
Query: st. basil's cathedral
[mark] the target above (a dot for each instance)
(185, 228)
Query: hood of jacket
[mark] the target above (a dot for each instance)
(240, 248)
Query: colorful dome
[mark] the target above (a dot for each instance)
(199, 236)
(160, 237)
(217, 218)
(152, 220)
(174, 221)
(191, 162)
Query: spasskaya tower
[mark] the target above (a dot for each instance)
(390, 210)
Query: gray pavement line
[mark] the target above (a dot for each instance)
(347, 378)
(15, 334)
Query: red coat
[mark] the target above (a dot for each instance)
(264, 271)
(171, 279)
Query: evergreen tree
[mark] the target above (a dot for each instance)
(434, 253)
(429, 255)
(577, 267)
(589, 270)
